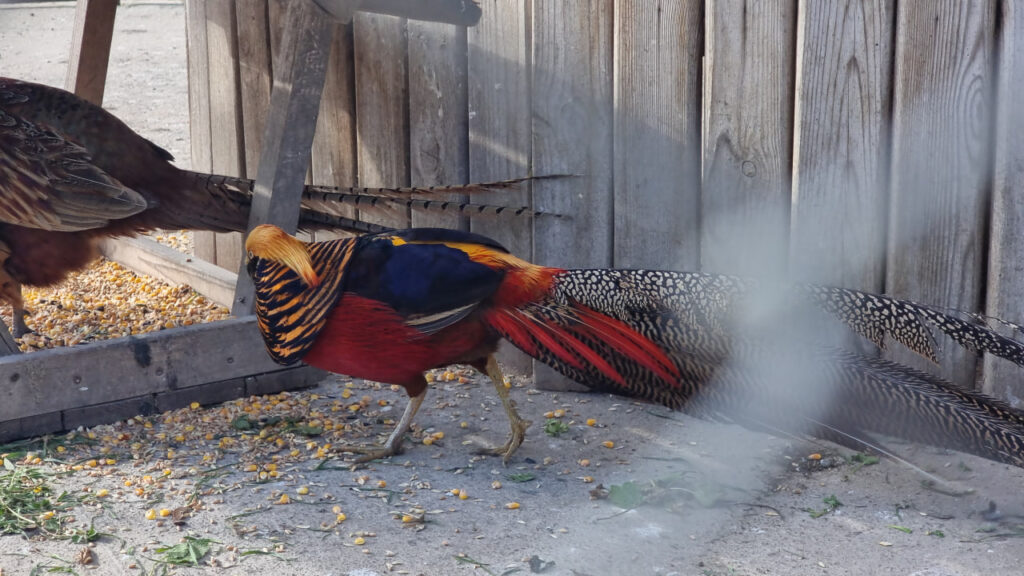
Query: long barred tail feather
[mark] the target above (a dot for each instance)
(717, 361)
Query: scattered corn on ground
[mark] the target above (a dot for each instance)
(107, 300)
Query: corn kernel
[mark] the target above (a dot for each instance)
(608, 444)
(61, 449)
(251, 468)
(437, 435)
(284, 499)
(102, 493)
(588, 479)
(496, 484)
(150, 514)
(165, 512)
(359, 541)
(340, 518)
(128, 483)
(336, 509)
(591, 422)
(407, 518)
(463, 495)
(814, 456)
(92, 463)
(585, 462)
(302, 491)
(346, 393)
(381, 483)
(559, 413)
(512, 505)
(428, 440)
(47, 515)
(463, 424)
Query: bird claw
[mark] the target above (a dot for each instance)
(515, 440)
(370, 453)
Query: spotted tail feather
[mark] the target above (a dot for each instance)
(693, 347)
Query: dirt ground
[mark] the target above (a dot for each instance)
(704, 498)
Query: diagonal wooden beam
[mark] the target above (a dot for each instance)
(90, 49)
(299, 72)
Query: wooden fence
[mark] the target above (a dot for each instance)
(873, 144)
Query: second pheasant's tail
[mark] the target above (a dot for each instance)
(221, 203)
(691, 342)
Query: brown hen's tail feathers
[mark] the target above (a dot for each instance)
(758, 354)
(321, 205)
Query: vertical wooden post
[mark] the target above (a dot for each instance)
(299, 72)
(657, 70)
(572, 134)
(840, 147)
(90, 49)
(748, 136)
(499, 124)
(438, 113)
(1005, 298)
(382, 113)
(941, 161)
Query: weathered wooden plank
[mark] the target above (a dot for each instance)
(66, 378)
(227, 142)
(32, 426)
(499, 113)
(499, 125)
(108, 412)
(1005, 290)
(299, 71)
(164, 263)
(205, 394)
(657, 73)
(438, 114)
(281, 380)
(940, 160)
(748, 135)
(840, 163)
(334, 142)
(199, 108)
(572, 134)
(90, 49)
(382, 97)
(255, 78)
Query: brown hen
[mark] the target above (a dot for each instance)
(71, 172)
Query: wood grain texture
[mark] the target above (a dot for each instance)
(941, 159)
(748, 134)
(199, 107)
(572, 134)
(841, 138)
(227, 142)
(334, 142)
(382, 116)
(499, 114)
(90, 49)
(657, 73)
(499, 126)
(255, 77)
(438, 115)
(1005, 290)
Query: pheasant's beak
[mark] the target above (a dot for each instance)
(268, 242)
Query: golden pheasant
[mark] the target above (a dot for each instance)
(71, 172)
(390, 306)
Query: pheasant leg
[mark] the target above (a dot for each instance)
(517, 424)
(393, 445)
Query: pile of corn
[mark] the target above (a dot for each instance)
(105, 301)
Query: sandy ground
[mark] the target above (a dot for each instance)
(717, 500)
